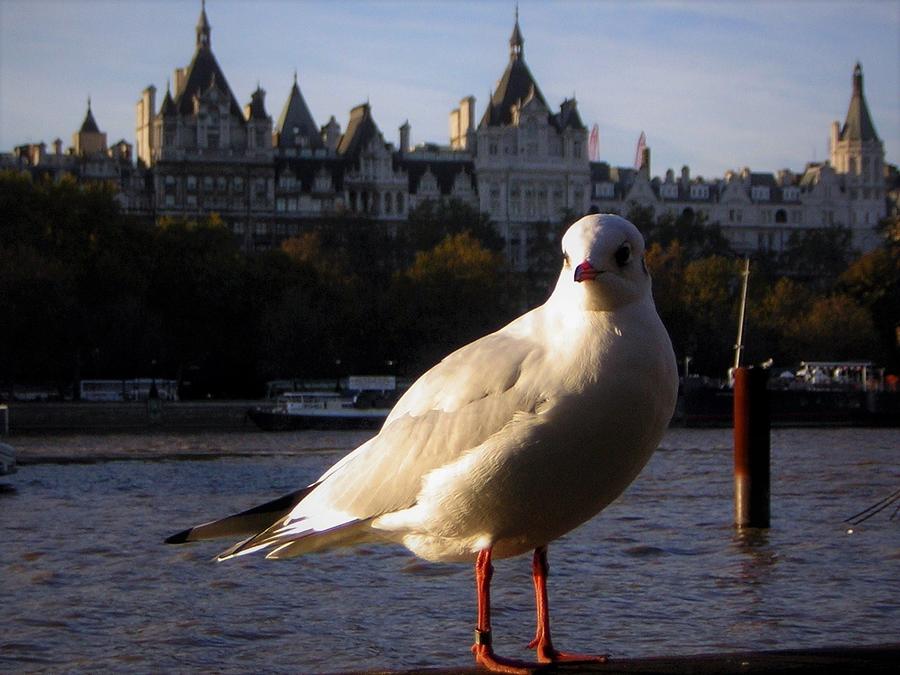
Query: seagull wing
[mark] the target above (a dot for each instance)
(456, 406)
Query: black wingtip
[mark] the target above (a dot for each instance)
(181, 537)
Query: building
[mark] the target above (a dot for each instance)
(760, 210)
(87, 160)
(531, 163)
(199, 152)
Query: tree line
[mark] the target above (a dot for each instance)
(89, 292)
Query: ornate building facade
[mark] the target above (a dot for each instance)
(199, 152)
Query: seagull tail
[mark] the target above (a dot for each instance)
(246, 522)
(288, 539)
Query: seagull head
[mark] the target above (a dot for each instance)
(603, 263)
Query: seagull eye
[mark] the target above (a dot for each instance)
(623, 255)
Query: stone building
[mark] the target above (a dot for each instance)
(199, 152)
(88, 160)
(760, 210)
(203, 152)
(531, 164)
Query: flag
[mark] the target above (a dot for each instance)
(639, 152)
(594, 144)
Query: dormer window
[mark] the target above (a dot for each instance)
(759, 193)
(699, 191)
(668, 191)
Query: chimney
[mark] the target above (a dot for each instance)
(833, 139)
(404, 137)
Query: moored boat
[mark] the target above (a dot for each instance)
(363, 403)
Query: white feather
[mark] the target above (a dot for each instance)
(516, 438)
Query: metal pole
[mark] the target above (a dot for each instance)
(751, 448)
(739, 346)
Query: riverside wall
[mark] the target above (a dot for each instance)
(97, 417)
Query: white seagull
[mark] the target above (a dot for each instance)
(506, 444)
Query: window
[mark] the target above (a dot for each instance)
(668, 191)
(759, 193)
(323, 181)
(207, 183)
(699, 191)
(191, 183)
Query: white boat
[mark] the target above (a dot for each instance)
(363, 403)
(317, 410)
(7, 459)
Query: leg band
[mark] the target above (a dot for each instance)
(483, 637)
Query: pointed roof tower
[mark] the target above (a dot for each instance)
(296, 127)
(203, 73)
(89, 125)
(858, 125)
(516, 84)
(516, 41)
(203, 28)
(168, 105)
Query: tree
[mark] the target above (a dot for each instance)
(818, 256)
(709, 296)
(450, 295)
(431, 221)
(836, 328)
(773, 322)
(873, 280)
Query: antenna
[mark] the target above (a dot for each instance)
(739, 346)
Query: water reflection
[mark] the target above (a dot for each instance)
(662, 571)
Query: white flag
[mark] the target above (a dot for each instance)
(594, 144)
(639, 152)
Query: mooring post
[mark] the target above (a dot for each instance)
(751, 448)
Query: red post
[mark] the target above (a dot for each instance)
(751, 448)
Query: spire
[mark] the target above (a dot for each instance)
(295, 126)
(858, 124)
(89, 125)
(203, 29)
(514, 86)
(516, 41)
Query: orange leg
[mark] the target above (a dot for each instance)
(483, 650)
(546, 653)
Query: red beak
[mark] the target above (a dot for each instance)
(586, 272)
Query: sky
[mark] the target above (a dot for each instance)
(713, 85)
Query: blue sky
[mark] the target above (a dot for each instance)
(714, 85)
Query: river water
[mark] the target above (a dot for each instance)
(87, 585)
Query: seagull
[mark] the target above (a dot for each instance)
(507, 444)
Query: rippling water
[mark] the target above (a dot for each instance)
(87, 585)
